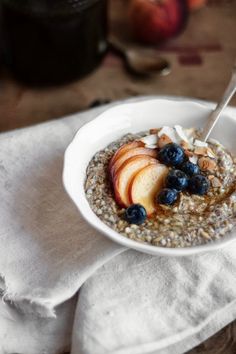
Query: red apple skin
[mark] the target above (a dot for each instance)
(154, 21)
(124, 148)
(140, 161)
(130, 153)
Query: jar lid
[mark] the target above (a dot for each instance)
(50, 7)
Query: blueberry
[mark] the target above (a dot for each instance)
(177, 179)
(190, 168)
(135, 214)
(171, 155)
(167, 196)
(199, 184)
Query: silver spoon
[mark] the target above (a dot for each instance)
(141, 62)
(215, 115)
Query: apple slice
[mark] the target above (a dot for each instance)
(146, 184)
(130, 153)
(125, 175)
(124, 148)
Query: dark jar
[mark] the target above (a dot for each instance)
(53, 41)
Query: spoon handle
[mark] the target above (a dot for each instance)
(215, 115)
(117, 44)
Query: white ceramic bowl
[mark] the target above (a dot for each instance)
(131, 118)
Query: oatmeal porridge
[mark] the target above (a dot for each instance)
(164, 187)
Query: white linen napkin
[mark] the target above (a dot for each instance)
(31, 334)
(138, 304)
(47, 252)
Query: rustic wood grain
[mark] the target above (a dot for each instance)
(209, 38)
(223, 342)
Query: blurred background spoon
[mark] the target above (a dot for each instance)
(143, 62)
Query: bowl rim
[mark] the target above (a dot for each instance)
(104, 229)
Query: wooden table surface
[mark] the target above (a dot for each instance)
(201, 60)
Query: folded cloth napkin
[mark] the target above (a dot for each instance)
(31, 334)
(138, 304)
(47, 251)
(135, 303)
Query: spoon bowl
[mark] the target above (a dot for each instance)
(145, 64)
(141, 62)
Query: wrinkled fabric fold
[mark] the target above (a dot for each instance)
(31, 334)
(138, 304)
(47, 250)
